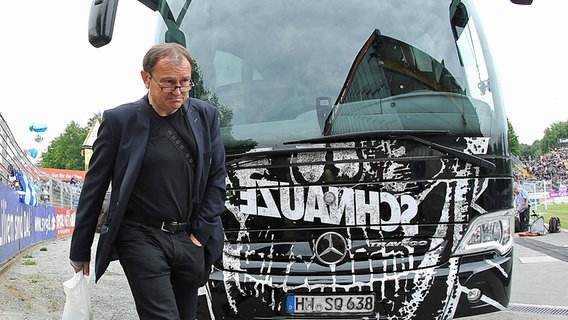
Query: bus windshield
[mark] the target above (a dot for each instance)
(309, 71)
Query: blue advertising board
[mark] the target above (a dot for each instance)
(22, 225)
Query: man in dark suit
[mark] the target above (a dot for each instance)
(165, 160)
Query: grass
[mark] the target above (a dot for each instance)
(554, 210)
(29, 262)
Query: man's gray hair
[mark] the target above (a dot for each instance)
(171, 51)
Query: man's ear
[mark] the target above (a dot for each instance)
(145, 78)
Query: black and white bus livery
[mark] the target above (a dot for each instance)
(369, 173)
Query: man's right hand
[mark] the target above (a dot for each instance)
(85, 267)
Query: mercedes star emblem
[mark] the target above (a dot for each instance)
(331, 248)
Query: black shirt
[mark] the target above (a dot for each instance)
(163, 189)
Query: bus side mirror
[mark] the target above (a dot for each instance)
(101, 22)
(525, 2)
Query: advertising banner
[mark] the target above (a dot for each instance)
(558, 193)
(22, 225)
(65, 175)
(65, 221)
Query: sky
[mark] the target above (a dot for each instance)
(528, 46)
(50, 72)
(52, 75)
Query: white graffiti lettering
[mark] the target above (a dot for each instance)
(405, 243)
(353, 207)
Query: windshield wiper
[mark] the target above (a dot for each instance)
(238, 159)
(404, 135)
(359, 136)
(467, 157)
(242, 158)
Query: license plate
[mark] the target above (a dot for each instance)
(363, 303)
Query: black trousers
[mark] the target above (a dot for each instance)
(524, 217)
(163, 270)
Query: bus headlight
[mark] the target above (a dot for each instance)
(490, 231)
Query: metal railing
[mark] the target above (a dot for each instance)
(14, 162)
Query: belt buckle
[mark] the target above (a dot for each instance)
(163, 228)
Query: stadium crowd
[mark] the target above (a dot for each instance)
(552, 167)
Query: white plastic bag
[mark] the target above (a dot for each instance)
(78, 299)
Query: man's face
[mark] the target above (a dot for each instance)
(166, 74)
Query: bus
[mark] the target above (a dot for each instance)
(368, 169)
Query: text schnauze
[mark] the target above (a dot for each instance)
(354, 207)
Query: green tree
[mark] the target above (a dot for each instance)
(552, 134)
(97, 116)
(514, 144)
(530, 151)
(64, 152)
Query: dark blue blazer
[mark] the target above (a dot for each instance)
(117, 157)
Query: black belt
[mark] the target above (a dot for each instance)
(166, 226)
(174, 226)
